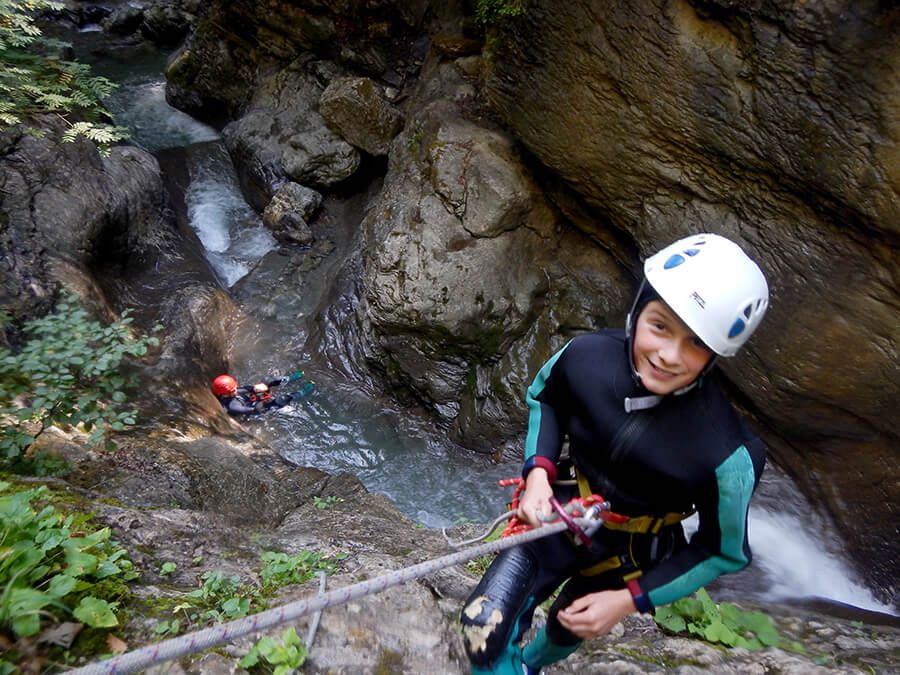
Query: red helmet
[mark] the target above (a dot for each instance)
(224, 385)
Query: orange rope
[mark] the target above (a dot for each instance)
(515, 525)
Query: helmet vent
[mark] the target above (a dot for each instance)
(747, 310)
(692, 251)
(673, 261)
(737, 328)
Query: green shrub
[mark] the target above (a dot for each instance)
(52, 567)
(34, 80)
(724, 623)
(225, 598)
(66, 374)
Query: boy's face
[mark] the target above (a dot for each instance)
(667, 355)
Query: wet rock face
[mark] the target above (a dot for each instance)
(67, 211)
(97, 224)
(289, 213)
(282, 137)
(461, 291)
(765, 124)
(215, 73)
(356, 109)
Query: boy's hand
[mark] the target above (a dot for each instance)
(595, 614)
(536, 499)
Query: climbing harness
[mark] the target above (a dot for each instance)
(645, 524)
(575, 506)
(587, 518)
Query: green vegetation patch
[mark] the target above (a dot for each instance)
(220, 597)
(67, 374)
(54, 568)
(36, 80)
(285, 654)
(723, 623)
(489, 12)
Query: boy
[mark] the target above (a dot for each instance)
(647, 432)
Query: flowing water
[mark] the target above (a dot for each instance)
(341, 428)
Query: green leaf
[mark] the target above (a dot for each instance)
(79, 563)
(167, 568)
(266, 646)
(250, 659)
(26, 625)
(709, 607)
(61, 585)
(96, 613)
(668, 619)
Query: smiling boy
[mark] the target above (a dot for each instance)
(647, 431)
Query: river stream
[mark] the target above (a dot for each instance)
(341, 428)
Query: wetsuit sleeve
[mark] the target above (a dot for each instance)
(236, 407)
(543, 441)
(720, 545)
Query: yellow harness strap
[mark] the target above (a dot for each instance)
(635, 524)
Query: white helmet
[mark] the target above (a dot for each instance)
(713, 286)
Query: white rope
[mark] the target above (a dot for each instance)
(314, 624)
(191, 643)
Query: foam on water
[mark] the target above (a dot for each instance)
(798, 565)
(231, 232)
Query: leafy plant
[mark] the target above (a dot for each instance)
(34, 79)
(323, 503)
(49, 566)
(223, 598)
(67, 374)
(280, 569)
(724, 623)
(488, 12)
(165, 628)
(286, 656)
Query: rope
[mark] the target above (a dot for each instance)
(314, 624)
(190, 643)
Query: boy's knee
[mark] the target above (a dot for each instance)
(485, 630)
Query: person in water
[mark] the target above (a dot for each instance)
(658, 440)
(253, 399)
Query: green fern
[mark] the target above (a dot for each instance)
(35, 81)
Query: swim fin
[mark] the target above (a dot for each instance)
(304, 391)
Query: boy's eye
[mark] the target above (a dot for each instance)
(698, 342)
(658, 325)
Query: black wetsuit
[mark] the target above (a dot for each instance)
(691, 451)
(247, 402)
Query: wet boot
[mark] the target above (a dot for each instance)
(542, 652)
(509, 663)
